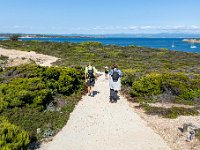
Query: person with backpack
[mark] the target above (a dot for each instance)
(90, 76)
(115, 83)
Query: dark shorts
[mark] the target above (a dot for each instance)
(106, 72)
(90, 82)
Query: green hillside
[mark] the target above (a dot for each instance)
(149, 75)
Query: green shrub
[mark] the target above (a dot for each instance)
(147, 86)
(91, 44)
(12, 137)
(130, 75)
(52, 73)
(192, 96)
(32, 118)
(3, 104)
(27, 91)
(38, 85)
(23, 91)
(4, 58)
(178, 85)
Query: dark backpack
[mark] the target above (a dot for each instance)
(115, 76)
(91, 73)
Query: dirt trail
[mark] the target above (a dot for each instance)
(19, 57)
(96, 124)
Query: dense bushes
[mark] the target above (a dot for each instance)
(38, 86)
(149, 85)
(165, 87)
(12, 137)
(25, 92)
(29, 94)
(173, 84)
(130, 75)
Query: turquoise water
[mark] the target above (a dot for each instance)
(146, 42)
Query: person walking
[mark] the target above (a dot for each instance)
(114, 82)
(90, 76)
(106, 72)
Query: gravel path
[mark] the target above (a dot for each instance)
(96, 124)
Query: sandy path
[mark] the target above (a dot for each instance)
(96, 124)
(40, 59)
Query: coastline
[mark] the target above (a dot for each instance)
(191, 40)
(179, 43)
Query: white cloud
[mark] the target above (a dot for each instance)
(138, 29)
(105, 29)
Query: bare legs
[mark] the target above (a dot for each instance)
(90, 93)
(106, 76)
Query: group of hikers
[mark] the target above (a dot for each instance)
(113, 75)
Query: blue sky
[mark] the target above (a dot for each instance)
(99, 16)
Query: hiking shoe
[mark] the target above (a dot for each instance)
(89, 94)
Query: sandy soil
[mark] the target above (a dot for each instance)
(17, 57)
(96, 124)
(169, 129)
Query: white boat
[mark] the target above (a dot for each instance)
(173, 44)
(192, 45)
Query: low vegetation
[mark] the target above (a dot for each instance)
(3, 60)
(171, 113)
(12, 137)
(40, 99)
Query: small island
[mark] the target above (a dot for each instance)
(192, 40)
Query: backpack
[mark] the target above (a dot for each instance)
(115, 76)
(91, 73)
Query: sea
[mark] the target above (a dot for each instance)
(179, 44)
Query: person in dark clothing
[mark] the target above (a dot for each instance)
(115, 82)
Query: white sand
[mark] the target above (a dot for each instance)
(96, 124)
(41, 59)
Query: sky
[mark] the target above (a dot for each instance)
(99, 16)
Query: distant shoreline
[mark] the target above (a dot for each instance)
(108, 35)
(191, 40)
